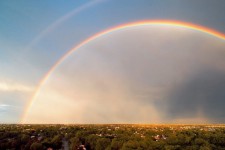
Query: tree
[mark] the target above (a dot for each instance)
(102, 143)
(131, 145)
(24, 138)
(36, 146)
(56, 142)
(116, 144)
(75, 142)
(91, 141)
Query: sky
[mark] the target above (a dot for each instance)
(119, 77)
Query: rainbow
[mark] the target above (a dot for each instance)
(110, 30)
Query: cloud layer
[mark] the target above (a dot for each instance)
(12, 86)
(13, 98)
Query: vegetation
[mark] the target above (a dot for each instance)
(113, 137)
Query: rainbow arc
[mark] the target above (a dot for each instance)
(120, 27)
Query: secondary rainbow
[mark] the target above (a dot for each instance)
(110, 30)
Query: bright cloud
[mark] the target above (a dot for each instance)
(11, 86)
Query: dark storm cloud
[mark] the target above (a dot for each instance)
(204, 91)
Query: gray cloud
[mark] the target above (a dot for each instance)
(202, 92)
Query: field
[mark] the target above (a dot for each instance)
(112, 137)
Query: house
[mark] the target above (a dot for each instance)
(159, 137)
(81, 147)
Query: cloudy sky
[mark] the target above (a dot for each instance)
(142, 74)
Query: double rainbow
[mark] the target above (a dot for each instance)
(120, 27)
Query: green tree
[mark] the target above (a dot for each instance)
(91, 140)
(75, 142)
(56, 142)
(24, 138)
(132, 145)
(36, 146)
(116, 144)
(102, 143)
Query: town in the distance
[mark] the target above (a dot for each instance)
(111, 137)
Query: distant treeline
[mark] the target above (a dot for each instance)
(112, 137)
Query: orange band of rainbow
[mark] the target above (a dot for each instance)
(120, 27)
